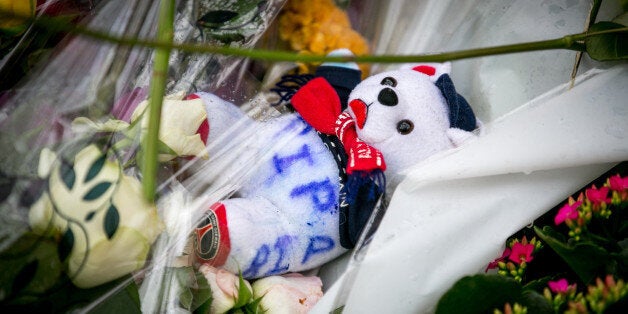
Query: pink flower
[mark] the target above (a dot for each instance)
(521, 252)
(290, 293)
(224, 287)
(494, 263)
(560, 286)
(618, 183)
(598, 196)
(567, 212)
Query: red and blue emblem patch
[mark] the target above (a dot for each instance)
(211, 237)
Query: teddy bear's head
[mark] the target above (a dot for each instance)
(410, 113)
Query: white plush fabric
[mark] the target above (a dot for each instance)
(286, 213)
(419, 101)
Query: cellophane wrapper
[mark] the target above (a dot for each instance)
(52, 251)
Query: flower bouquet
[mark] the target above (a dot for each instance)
(120, 172)
(578, 268)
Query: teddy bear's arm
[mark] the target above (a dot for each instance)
(221, 115)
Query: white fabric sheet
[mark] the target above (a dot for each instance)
(452, 214)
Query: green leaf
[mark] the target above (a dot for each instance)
(139, 158)
(202, 293)
(95, 168)
(126, 300)
(479, 294)
(254, 306)
(535, 302)
(227, 38)
(205, 307)
(97, 191)
(183, 276)
(112, 219)
(25, 276)
(68, 176)
(165, 149)
(586, 259)
(66, 244)
(338, 310)
(538, 284)
(195, 292)
(622, 256)
(213, 19)
(29, 266)
(244, 294)
(185, 299)
(607, 47)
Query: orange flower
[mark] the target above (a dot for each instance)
(319, 27)
(12, 12)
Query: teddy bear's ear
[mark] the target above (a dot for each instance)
(433, 70)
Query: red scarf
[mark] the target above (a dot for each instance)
(319, 105)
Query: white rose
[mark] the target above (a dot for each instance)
(180, 121)
(291, 293)
(224, 286)
(101, 214)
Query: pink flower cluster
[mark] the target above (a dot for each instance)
(598, 196)
(561, 286)
(594, 201)
(596, 298)
(521, 252)
(617, 183)
(515, 255)
(568, 211)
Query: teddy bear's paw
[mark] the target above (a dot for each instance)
(459, 136)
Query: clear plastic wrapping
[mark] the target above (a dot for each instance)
(72, 130)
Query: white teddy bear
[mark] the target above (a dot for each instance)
(309, 201)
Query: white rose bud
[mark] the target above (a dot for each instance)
(224, 286)
(291, 293)
(180, 121)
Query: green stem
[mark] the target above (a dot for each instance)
(593, 14)
(165, 33)
(569, 42)
(590, 21)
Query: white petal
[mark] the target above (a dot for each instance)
(107, 260)
(46, 159)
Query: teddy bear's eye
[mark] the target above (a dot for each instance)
(405, 127)
(389, 81)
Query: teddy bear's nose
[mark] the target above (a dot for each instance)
(387, 97)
